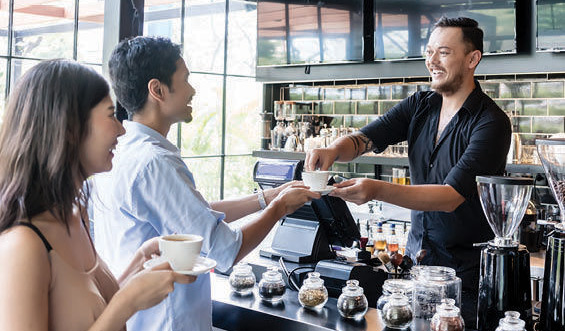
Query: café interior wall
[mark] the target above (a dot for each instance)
(534, 103)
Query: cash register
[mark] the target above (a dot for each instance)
(310, 234)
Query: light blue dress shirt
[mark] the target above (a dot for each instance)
(150, 192)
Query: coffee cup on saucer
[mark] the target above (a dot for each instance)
(316, 180)
(180, 250)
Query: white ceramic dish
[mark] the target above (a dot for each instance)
(324, 191)
(202, 265)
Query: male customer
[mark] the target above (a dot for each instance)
(454, 133)
(150, 191)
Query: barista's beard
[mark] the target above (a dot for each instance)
(448, 87)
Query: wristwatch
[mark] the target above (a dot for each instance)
(261, 199)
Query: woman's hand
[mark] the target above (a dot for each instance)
(149, 287)
(149, 249)
(357, 190)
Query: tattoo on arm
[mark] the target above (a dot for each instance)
(361, 143)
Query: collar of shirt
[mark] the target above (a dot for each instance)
(471, 104)
(134, 129)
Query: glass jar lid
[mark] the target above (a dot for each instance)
(352, 288)
(433, 273)
(398, 299)
(512, 321)
(314, 279)
(447, 308)
(242, 268)
(272, 274)
(398, 285)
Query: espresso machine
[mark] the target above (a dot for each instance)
(552, 317)
(504, 282)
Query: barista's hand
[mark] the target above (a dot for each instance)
(322, 158)
(149, 287)
(271, 194)
(357, 190)
(294, 197)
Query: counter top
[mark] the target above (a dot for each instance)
(234, 312)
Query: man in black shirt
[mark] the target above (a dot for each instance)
(454, 133)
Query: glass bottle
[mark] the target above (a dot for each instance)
(278, 110)
(397, 312)
(352, 303)
(447, 317)
(394, 285)
(271, 286)
(242, 279)
(511, 322)
(431, 285)
(380, 238)
(278, 136)
(313, 294)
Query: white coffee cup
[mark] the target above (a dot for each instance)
(317, 180)
(180, 250)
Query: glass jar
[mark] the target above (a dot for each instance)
(271, 286)
(391, 286)
(397, 312)
(313, 294)
(352, 303)
(242, 279)
(431, 285)
(511, 322)
(447, 317)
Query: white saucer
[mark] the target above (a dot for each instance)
(202, 265)
(325, 190)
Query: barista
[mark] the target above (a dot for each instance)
(454, 133)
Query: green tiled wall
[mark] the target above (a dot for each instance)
(535, 104)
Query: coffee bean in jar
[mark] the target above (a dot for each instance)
(242, 279)
(397, 312)
(352, 303)
(313, 294)
(271, 286)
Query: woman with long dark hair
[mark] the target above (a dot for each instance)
(59, 128)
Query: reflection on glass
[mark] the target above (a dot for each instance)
(206, 172)
(162, 18)
(19, 67)
(2, 88)
(238, 176)
(243, 123)
(242, 38)
(403, 27)
(551, 25)
(303, 31)
(90, 31)
(4, 17)
(204, 35)
(45, 30)
(202, 136)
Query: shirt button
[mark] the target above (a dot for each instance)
(431, 165)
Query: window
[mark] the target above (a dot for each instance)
(217, 144)
(47, 29)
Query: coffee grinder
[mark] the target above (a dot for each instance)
(504, 282)
(552, 317)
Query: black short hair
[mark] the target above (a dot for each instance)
(134, 62)
(472, 34)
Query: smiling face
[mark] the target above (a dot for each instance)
(179, 96)
(448, 60)
(103, 132)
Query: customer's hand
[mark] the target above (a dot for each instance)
(149, 287)
(149, 249)
(321, 158)
(271, 194)
(357, 190)
(294, 197)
